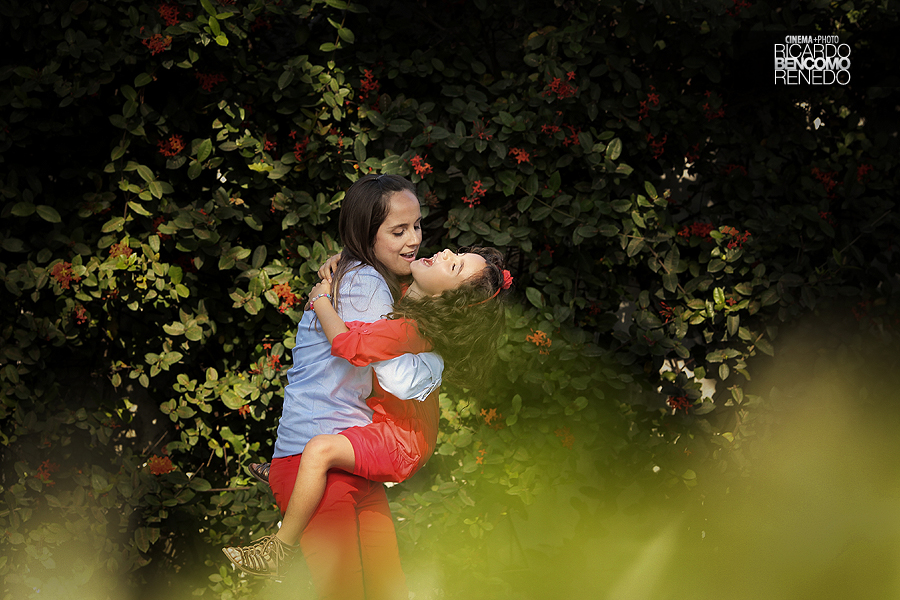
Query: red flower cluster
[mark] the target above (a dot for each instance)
(44, 471)
(652, 100)
(81, 314)
(262, 22)
(288, 299)
(737, 238)
(299, 147)
(693, 153)
(169, 14)
(368, 84)
(490, 416)
(826, 216)
(120, 249)
(171, 146)
(157, 43)
(274, 362)
(572, 138)
(658, 147)
(540, 339)
(697, 229)
(666, 312)
(735, 10)
(477, 194)
(710, 113)
(520, 155)
(269, 145)
(160, 465)
(678, 403)
(420, 166)
(62, 273)
(562, 89)
(478, 130)
(549, 129)
(209, 80)
(566, 436)
(730, 168)
(827, 179)
(862, 171)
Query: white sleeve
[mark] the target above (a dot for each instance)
(410, 376)
(365, 297)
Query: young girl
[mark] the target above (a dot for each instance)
(450, 306)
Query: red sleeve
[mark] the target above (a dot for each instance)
(366, 343)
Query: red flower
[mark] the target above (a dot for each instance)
(540, 339)
(862, 171)
(283, 291)
(300, 147)
(520, 154)
(62, 273)
(160, 465)
(549, 129)
(730, 168)
(209, 80)
(169, 14)
(566, 436)
(678, 403)
(171, 146)
(157, 43)
(81, 315)
(736, 9)
(490, 416)
(244, 410)
(561, 88)
(420, 166)
(572, 138)
(44, 471)
(697, 229)
(120, 249)
(368, 84)
(477, 194)
(657, 146)
(479, 131)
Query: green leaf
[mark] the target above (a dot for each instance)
(614, 149)
(535, 297)
(145, 173)
(208, 7)
(204, 149)
(142, 79)
(48, 213)
(22, 209)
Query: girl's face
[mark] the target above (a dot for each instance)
(444, 271)
(398, 237)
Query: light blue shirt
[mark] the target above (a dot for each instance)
(326, 394)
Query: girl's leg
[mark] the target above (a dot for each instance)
(322, 453)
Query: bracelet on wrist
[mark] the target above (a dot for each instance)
(312, 300)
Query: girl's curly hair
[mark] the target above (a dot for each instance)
(463, 324)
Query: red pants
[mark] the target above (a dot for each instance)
(350, 544)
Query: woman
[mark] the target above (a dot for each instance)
(449, 307)
(350, 544)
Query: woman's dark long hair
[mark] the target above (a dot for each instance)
(463, 324)
(363, 210)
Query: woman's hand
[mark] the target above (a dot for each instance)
(326, 271)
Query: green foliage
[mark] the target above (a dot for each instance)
(172, 177)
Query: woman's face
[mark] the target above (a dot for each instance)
(398, 238)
